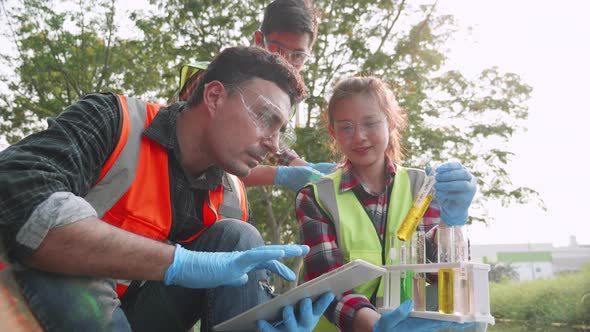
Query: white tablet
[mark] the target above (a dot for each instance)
(337, 281)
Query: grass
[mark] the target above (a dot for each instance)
(563, 299)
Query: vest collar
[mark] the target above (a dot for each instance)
(162, 129)
(350, 180)
(209, 180)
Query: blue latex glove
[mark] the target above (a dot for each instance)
(309, 315)
(455, 188)
(324, 168)
(198, 269)
(398, 320)
(295, 177)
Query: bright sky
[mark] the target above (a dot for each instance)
(548, 44)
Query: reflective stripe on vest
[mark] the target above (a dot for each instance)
(355, 233)
(133, 192)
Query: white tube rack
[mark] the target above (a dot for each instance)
(478, 291)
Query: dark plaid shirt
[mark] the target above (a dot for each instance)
(318, 232)
(44, 176)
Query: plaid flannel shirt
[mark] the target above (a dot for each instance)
(318, 232)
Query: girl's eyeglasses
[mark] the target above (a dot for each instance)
(346, 129)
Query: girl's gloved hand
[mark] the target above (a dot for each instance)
(455, 188)
(197, 269)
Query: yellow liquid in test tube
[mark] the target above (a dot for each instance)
(412, 219)
(445, 291)
(421, 203)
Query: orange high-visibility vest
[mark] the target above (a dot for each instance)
(133, 190)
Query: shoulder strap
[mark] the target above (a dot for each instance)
(118, 173)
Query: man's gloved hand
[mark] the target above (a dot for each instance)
(324, 168)
(398, 320)
(295, 177)
(198, 269)
(309, 315)
(455, 188)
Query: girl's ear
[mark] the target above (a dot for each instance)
(331, 130)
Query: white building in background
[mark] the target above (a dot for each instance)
(534, 260)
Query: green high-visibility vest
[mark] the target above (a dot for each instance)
(189, 70)
(355, 234)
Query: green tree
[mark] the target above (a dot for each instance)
(63, 50)
(450, 116)
(63, 55)
(182, 31)
(502, 272)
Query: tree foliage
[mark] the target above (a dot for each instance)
(502, 272)
(183, 31)
(65, 54)
(63, 51)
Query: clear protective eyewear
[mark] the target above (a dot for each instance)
(294, 57)
(269, 119)
(346, 129)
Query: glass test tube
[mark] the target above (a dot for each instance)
(419, 206)
(406, 275)
(419, 278)
(445, 275)
(453, 287)
(391, 288)
(461, 280)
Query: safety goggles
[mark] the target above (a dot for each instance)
(188, 75)
(294, 57)
(269, 119)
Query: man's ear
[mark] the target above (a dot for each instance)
(213, 95)
(258, 38)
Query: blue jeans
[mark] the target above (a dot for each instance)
(63, 303)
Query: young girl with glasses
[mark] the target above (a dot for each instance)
(354, 212)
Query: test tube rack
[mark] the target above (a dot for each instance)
(477, 291)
